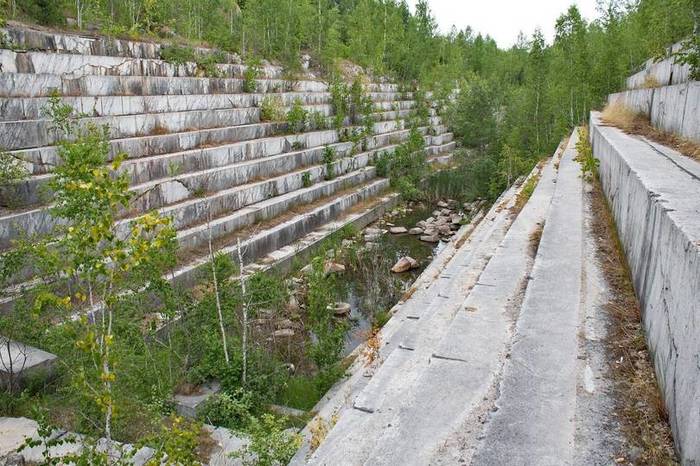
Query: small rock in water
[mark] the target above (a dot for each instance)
(430, 220)
(436, 213)
(397, 230)
(373, 231)
(430, 238)
(415, 231)
(445, 212)
(404, 264)
(283, 333)
(333, 267)
(456, 219)
(445, 230)
(442, 204)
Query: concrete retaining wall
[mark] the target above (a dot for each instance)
(655, 202)
(675, 109)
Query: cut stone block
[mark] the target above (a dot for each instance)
(190, 405)
(20, 363)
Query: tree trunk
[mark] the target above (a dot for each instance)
(216, 293)
(244, 339)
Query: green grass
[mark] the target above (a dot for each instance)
(300, 392)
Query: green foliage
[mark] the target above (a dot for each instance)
(589, 164)
(406, 166)
(270, 443)
(328, 159)
(325, 351)
(231, 410)
(207, 66)
(177, 55)
(12, 169)
(306, 179)
(250, 76)
(690, 55)
(271, 109)
(296, 117)
(339, 102)
(177, 443)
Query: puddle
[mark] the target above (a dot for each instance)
(363, 301)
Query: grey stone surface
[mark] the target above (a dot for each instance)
(663, 72)
(420, 325)
(190, 405)
(655, 202)
(675, 109)
(534, 423)
(18, 362)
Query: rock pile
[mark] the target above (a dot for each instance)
(443, 223)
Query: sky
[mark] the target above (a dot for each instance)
(504, 19)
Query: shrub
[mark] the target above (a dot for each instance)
(296, 117)
(250, 76)
(328, 157)
(271, 109)
(231, 410)
(177, 55)
(270, 443)
(306, 179)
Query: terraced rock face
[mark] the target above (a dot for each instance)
(197, 148)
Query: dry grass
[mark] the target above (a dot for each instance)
(631, 122)
(639, 403)
(650, 82)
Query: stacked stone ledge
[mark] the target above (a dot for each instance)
(229, 164)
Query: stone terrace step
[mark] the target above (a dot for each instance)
(33, 108)
(44, 85)
(37, 221)
(654, 195)
(28, 38)
(467, 362)
(83, 65)
(277, 236)
(535, 421)
(406, 353)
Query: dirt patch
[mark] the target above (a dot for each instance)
(535, 238)
(639, 403)
(638, 124)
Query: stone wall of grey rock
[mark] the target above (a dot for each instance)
(654, 198)
(675, 109)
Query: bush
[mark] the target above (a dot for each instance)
(271, 109)
(270, 443)
(177, 55)
(250, 76)
(231, 410)
(296, 117)
(328, 157)
(306, 179)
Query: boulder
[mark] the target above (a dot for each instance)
(397, 230)
(333, 267)
(442, 204)
(404, 264)
(415, 231)
(445, 230)
(456, 219)
(436, 213)
(430, 238)
(446, 212)
(340, 309)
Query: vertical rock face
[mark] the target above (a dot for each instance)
(654, 194)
